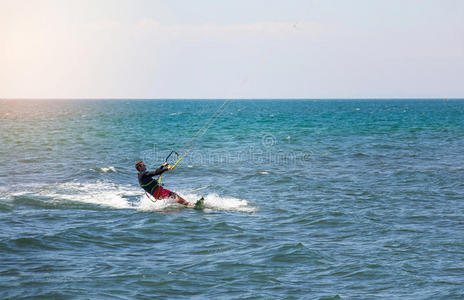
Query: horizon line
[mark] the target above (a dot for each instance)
(239, 99)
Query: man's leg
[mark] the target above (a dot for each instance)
(163, 193)
(181, 200)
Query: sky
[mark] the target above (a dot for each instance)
(231, 49)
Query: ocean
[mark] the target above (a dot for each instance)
(305, 199)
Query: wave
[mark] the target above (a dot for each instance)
(98, 193)
(120, 196)
(215, 202)
(107, 169)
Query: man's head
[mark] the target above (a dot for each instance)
(140, 166)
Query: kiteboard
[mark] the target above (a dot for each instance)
(200, 204)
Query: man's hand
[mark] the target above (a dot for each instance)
(167, 166)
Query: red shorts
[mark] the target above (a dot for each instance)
(161, 193)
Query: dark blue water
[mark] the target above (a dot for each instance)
(304, 199)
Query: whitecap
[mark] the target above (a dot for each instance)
(107, 169)
(215, 202)
(199, 189)
(124, 196)
(98, 193)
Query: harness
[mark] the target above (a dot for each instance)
(150, 186)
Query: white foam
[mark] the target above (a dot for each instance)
(13, 192)
(199, 189)
(108, 194)
(215, 202)
(145, 204)
(107, 169)
(99, 193)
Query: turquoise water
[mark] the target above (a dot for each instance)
(337, 199)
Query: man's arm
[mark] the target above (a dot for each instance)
(158, 171)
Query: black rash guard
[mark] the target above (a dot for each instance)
(146, 180)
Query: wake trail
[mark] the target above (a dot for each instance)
(107, 194)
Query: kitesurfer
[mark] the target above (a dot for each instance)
(151, 186)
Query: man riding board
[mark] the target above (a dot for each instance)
(151, 186)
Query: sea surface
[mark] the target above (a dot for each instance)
(305, 199)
